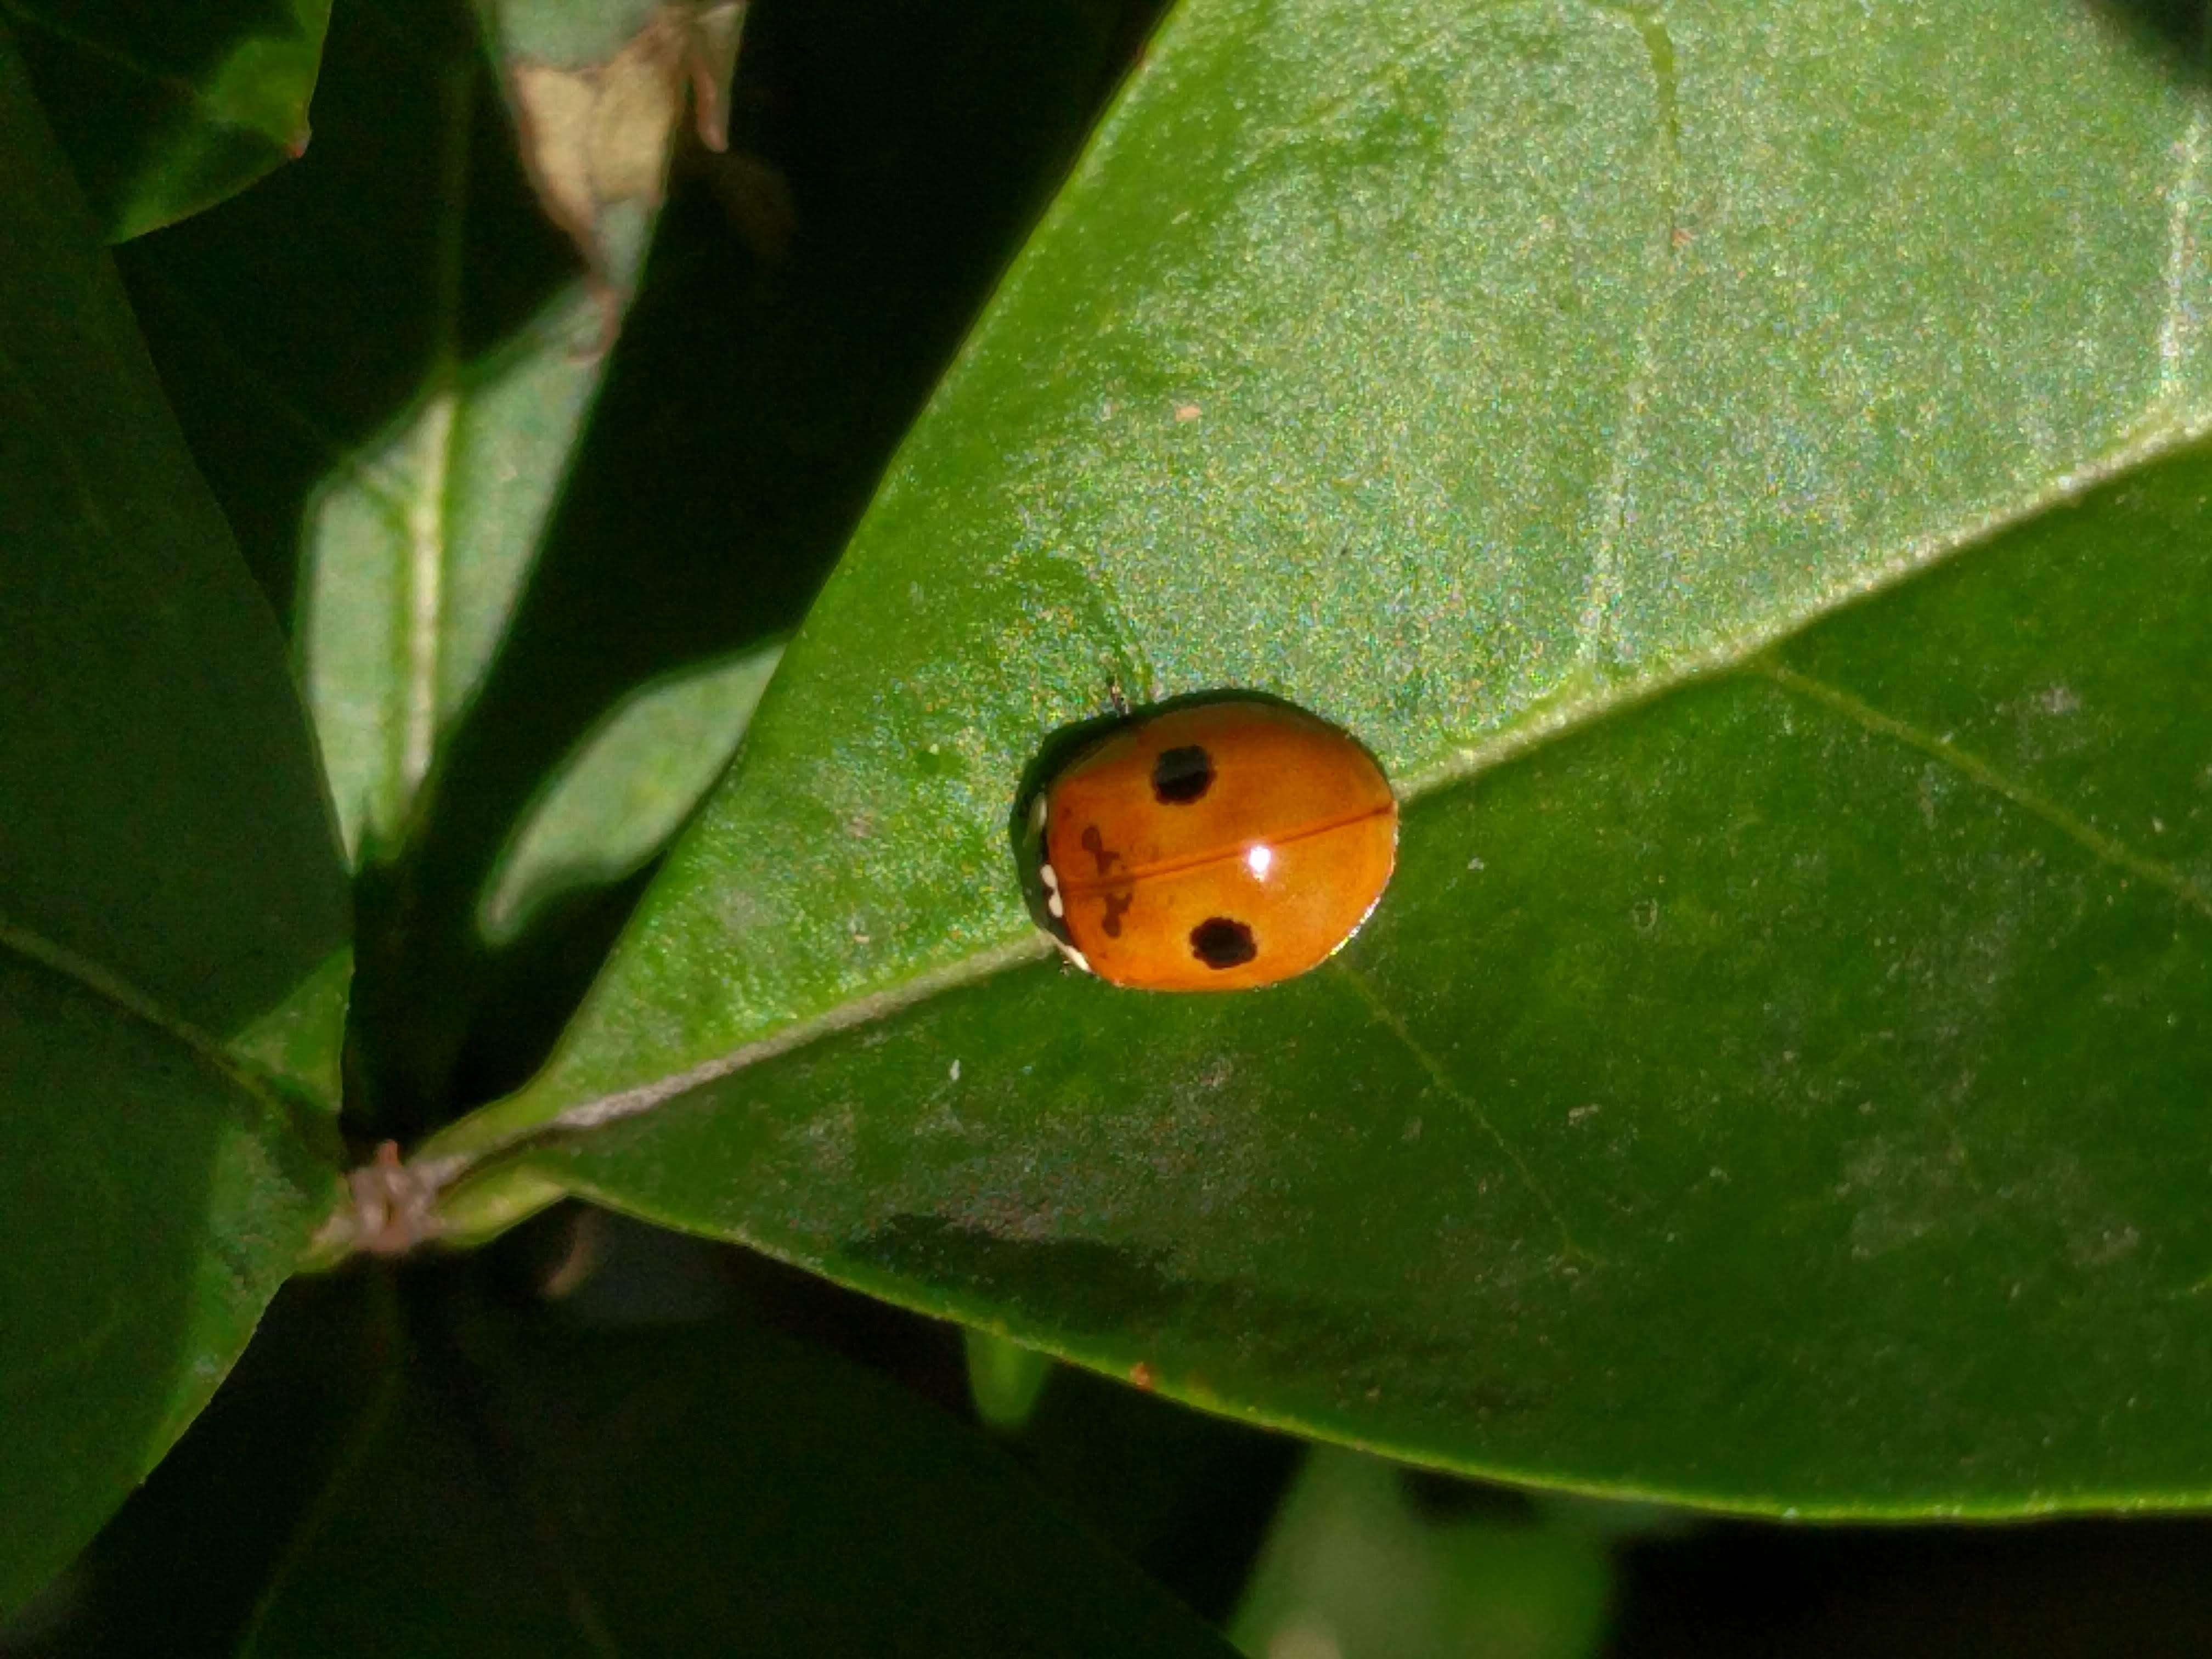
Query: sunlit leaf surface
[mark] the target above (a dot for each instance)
(1772, 1078)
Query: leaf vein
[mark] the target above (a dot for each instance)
(113, 988)
(1613, 695)
(2178, 321)
(1593, 627)
(2108, 849)
(460, 1147)
(425, 584)
(1387, 1018)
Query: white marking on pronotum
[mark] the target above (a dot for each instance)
(1036, 815)
(1074, 955)
(1051, 878)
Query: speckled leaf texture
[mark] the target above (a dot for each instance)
(1734, 466)
(173, 920)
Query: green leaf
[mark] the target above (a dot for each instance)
(412, 169)
(393, 422)
(417, 553)
(164, 112)
(172, 915)
(755, 394)
(717, 1489)
(1481, 382)
(614, 803)
(1784, 1096)
(1278, 402)
(1353, 1567)
(184, 1563)
(418, 549)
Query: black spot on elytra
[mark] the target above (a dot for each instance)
(1117, 906)
(1095, 844)
(1220, 943)
(1180, 776)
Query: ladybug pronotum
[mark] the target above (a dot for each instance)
(1213, 846)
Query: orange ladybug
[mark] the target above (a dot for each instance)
(1213, 846)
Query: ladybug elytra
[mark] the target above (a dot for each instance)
(1213, 846)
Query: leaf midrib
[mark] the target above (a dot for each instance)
(273, 1114)
(510, 1125)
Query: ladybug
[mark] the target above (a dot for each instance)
(1213, 846)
